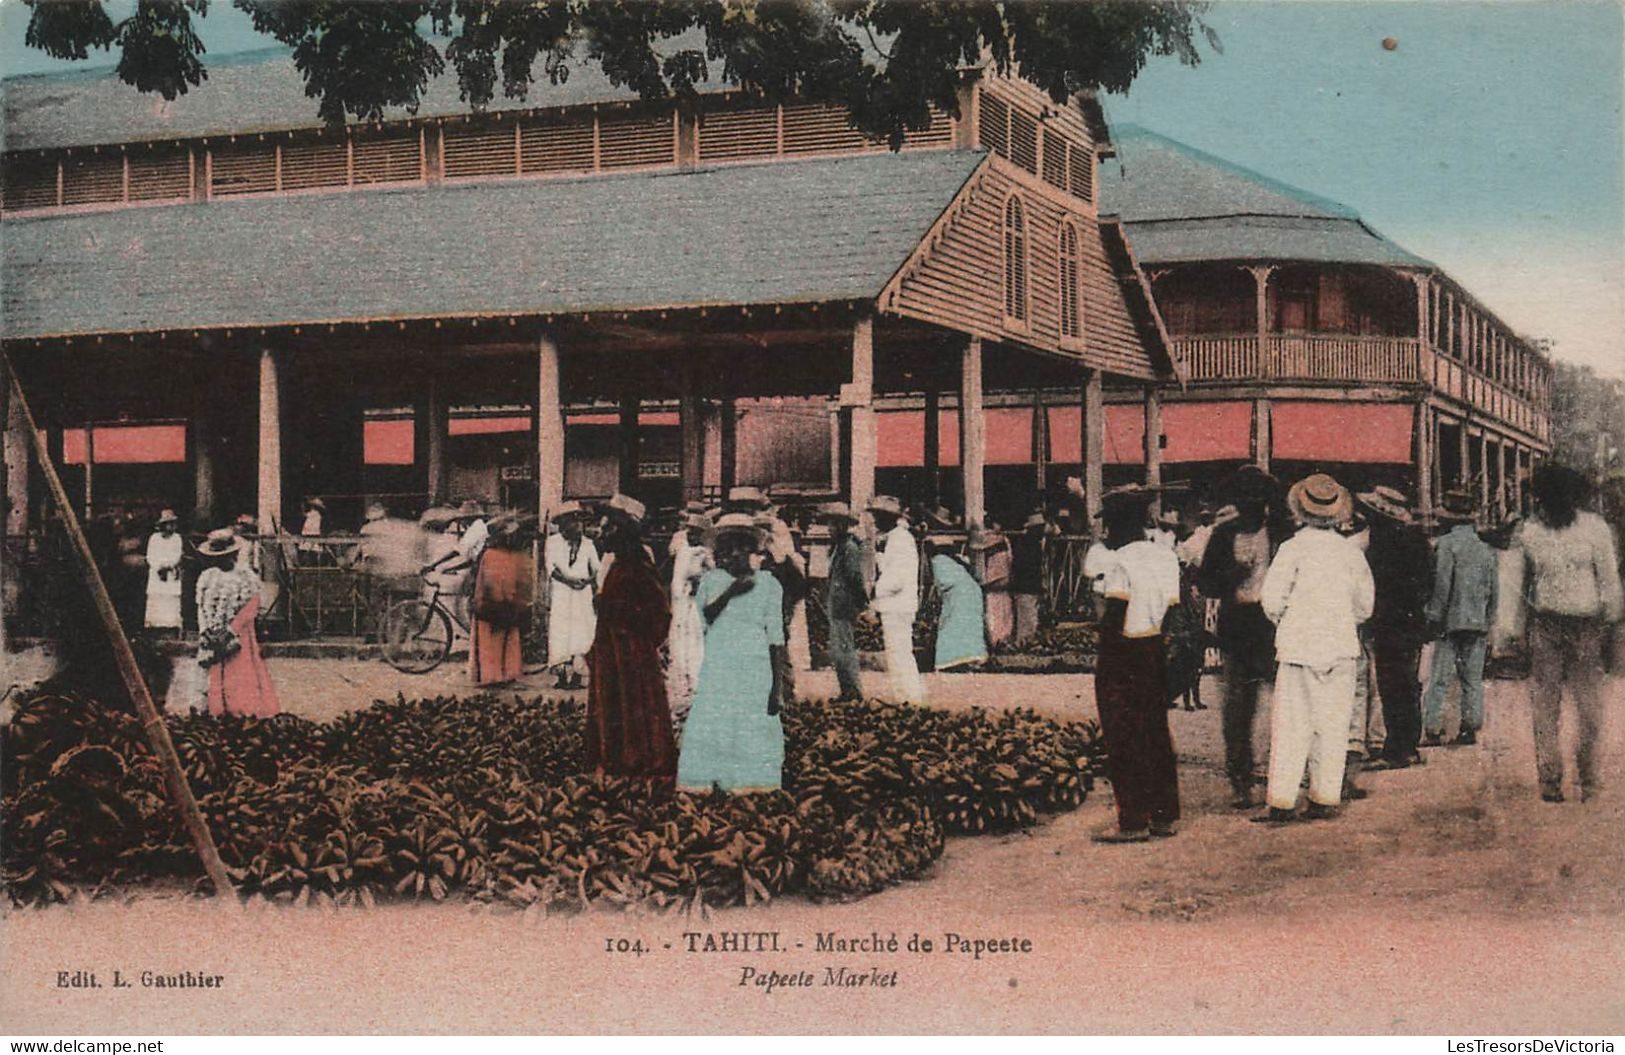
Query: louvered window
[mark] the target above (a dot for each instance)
(1015, 261)
(30, 182)
(728, 134)
(1069, 272)
(247, 169)
(480, 150)
(93, 179)
(554, 147)
(315, 163)
(995, 125)
(1054, 159)
(1024, 140)
(393, 156)
(939, 134)
(816, 129)
(1080, 166)
(160, 174)
(637, 142)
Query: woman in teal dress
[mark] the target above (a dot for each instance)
(961, 632)
(733, 739)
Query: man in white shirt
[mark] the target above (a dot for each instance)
(1317, 592)
(897, 595)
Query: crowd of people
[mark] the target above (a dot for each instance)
(1330, 598)
(1325, 598)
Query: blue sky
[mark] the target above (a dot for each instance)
(1491, 140)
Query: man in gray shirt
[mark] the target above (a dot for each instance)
(1466, 571)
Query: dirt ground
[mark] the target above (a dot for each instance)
(1452, 900)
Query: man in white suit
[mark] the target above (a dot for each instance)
(897, 595)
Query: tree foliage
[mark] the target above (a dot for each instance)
(1588, 420)
(887, 61)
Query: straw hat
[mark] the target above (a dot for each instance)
(1389, 501)
(837, 511)
(696, 522)
(886, 504)
(1320, 500)
(940, 516)
(748, 496)
(315, 503)
(220, 542)
(1126, 495)
(627, 506)
(168, 517)
(942, 541)
(437, 518)
(1034, 520)
(376, 511)
(738, 524)
(568, 509)
(1459, 505)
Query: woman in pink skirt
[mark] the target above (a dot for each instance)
(228, 600)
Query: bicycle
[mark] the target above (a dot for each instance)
(418, 633)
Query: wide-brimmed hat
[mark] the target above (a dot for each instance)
(627, 506)
(376, 511)
(1459, 505)
(437, 517)
(696, 522)
(695, 507)
(748, 496)
(168, 517)
(887, 504)
(738, 524)
(315, 503)
(943, 541)
(1389, 501)
(1034, 520)
(1319, 499)
(837, 511)
(982, 539)
(1137, 495)
(470, 508)
(566, 510)
(220, 542)
(1169, 518)
(941, 516)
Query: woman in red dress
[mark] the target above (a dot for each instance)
(628, 720)
(228, 600)
(503, 588)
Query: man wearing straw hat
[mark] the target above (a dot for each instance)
(1402, 566)
(1027, 576)
(164, 552)
(897, 595)
(570, 563)
(846, 596)
(1317, 592)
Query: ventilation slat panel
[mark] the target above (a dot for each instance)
(389, 157)
(545, 147)
(995, 125)
(472, 152)
(243, 170)
(747, 133)
(1054, 160)
(636, 142)
(817, 129)
(940, 134)
(93, 180)
(1081, 173)
(30, 183)
(160, 175)
(1024, 140)
(319, 164)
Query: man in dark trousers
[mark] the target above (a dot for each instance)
(846, 597)
(1402, 568)
(1238, 554)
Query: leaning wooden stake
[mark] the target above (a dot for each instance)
(180, 792)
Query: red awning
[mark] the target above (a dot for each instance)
(1207, 432)
(127, 443)
(901, 437)
(387, 442)
(1125, 427)
(1342, 432)
(487, 426)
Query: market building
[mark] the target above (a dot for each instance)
(216, 304)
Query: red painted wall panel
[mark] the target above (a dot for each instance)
(387, 442)
(128, 444)
(1374, 433)
(901, 437)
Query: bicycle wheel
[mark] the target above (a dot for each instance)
(416, 636)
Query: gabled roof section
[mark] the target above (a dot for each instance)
(780, 232)
(1181, 204)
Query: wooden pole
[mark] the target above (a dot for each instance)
(865, 453)
(1425, 454)
(549, 429)
(1153, 443)
(728, 441)
(630, 437)
(691, 467)
(157, 732)
(1093, 444)
(933, 444)
(973, 433)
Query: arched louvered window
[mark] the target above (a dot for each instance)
(1071, 315)
(1015, 261)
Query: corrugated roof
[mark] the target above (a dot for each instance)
(787, 232)
(1181, 204)
(249, 92)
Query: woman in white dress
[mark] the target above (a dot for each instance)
(164, 551)
(571, 562)
(685, 645)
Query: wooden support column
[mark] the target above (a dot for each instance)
(205, 469)
(728, 441)
(1153, 437)
(690, 422)
(859, 395)
(1425, 455)
(629, 437)
(549, 429)
(1420, 279)
(973, 433)
(1093, 443)
(1464, 471)
(1040, 444)
(933, 445)
(1484, 470)
(15, 467)
(268, 507)
(1261, 434)
(1261, 308)
(436, 428)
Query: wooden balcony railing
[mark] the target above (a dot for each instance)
(1301, 357)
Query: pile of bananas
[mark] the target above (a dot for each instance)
(483, 798)
(1061, 639)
